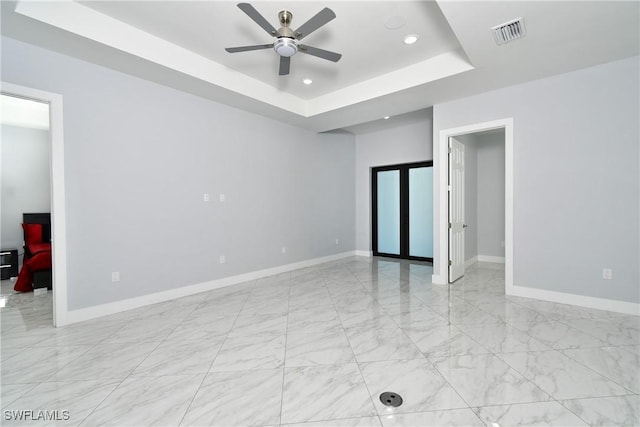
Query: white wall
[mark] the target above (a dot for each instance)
(25, 179)
(396, 145)
(140, 156)
(577, 181)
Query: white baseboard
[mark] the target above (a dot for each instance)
(489, 258)
(573, 299)
(438, 279)
(367, 254)
(484, 258)
(74, 316)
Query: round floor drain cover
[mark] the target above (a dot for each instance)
(389, 398)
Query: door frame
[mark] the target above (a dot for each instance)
(58, 198)
(404, 208)
(440, 182)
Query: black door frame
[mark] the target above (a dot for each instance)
(404, 208)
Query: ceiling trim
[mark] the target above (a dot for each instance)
(86, 22)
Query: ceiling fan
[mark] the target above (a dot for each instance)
(287, 41)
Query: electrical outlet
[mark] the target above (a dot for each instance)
(205, 197)
(222, 259)
(115, 276)
(222, 197)
(607, 273)
(337, 241)
(284, 250)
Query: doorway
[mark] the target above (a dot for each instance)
(476, 213)
(402, 211)
(442, 245)
(56, 171)
(26, 187)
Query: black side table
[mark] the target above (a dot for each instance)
(8, 263)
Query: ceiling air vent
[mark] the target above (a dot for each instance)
(509, 31)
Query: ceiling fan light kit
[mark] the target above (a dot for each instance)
(287, 41)
(285, 46)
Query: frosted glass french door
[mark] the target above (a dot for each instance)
(402, 210)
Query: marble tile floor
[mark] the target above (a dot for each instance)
(317, 346)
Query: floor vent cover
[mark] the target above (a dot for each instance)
(509, 31)
(389, 398)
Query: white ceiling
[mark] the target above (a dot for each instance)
(181, 44)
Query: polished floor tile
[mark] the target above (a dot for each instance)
(34, 366)
(529, 414)
(607, 411)
(503, 338)
(106, 361)
(188, 357)
(559, 335)
(316, 393)
(452, 418)
(619, 364)
(444, 341)
(242, 398)
(317, 346)
(146, 401)
(10, 392)
(484, 379)
(561, 376)
(250, 352)
(78, 398)
(318, 349)
(381, 343)
(344, 422)
(421, 386)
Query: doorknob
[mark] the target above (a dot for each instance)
(464, 225)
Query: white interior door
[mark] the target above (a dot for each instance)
(456, 210)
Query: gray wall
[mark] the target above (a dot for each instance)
(25, 179)
(491, 168)
(396, 145)
(577, 182)
(138, 158)
(484, 194)
(470, 195)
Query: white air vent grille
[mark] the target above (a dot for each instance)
(509, 31)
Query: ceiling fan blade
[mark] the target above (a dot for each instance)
(321, 18)
(248, 48)
(285, 64)
(257, 18)
(320, 53)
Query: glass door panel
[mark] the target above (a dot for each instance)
(388, 206)
(421, 212)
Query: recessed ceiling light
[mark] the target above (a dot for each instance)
(307, 81)
(411, 39)
(386, 117)
(395, 22)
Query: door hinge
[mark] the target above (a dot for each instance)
(450, 263)
(449, 150)
(449, 225)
